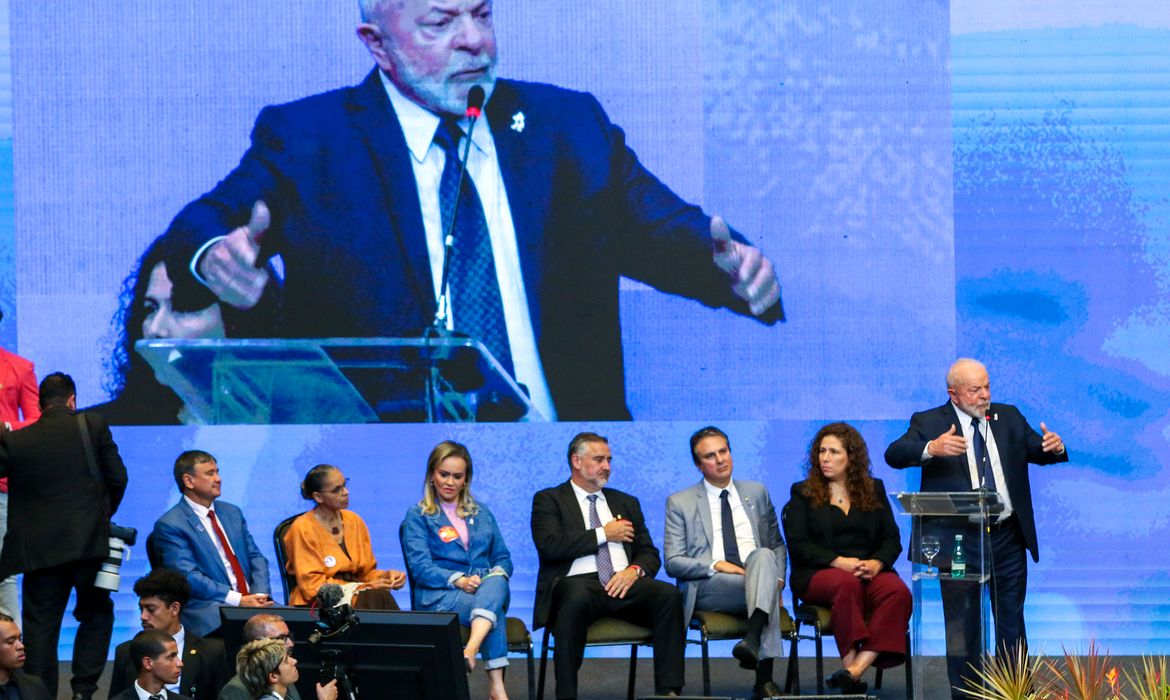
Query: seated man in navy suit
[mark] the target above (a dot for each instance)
(353, 189)
(156, 659)
(162, 595)
(207, 541)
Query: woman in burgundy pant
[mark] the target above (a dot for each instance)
(842, 542)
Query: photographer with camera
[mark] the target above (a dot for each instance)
(65, 481)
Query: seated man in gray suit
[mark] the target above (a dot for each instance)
(723, 544)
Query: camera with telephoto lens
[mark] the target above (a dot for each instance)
(109, 576)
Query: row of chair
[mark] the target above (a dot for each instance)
(711, 626)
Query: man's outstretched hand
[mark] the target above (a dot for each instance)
(753, 277)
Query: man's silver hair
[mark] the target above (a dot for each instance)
(953, 372)
(367, 7)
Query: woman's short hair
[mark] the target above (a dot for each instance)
(256, 661)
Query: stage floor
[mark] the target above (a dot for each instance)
(605, 679)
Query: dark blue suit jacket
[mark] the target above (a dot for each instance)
(336, 174)
(186, 546)
(1018, 445)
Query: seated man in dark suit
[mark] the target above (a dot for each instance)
(156, 658)
(597, 560)
(207, 541)
(12, 679)
(260, 626)
(162, 595)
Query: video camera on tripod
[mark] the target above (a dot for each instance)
(333, 618)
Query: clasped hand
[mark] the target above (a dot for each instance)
(864, 569)
(468, 584)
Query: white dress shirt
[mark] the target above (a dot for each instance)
(617, 553)
(233, 596)
(1001, 486)
(180, 638)
(483, 167)
(143, 695)
(743, 527)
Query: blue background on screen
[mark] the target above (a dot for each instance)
(932, 180)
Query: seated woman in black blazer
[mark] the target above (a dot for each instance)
(842, 542)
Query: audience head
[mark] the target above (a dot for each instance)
(58, 389)
(326, 486)
(267, 626)
(448, 479)
(590, 460)
(147, 309)
(197, 476)
(11, 647)
(264, 664)
(839, 453)
(156, 658)
(162, 595)
(711, 452)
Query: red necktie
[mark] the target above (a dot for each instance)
(237, 570)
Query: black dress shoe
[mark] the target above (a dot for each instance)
(747, 652)
(767, 690)
(845, 682)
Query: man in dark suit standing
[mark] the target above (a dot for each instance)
(11, 661)
(162, 594)
(207, 540)
(64, 485)
(158, 665)
(597, 559)
(350, 189)
(971, 443)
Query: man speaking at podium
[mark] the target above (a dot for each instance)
(354, 190)
(970, 443)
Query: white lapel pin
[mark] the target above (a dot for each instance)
(518, 122)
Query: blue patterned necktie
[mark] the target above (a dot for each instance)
(475, 290)
(604, 562)
(982, 464)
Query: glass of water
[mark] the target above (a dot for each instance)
(930, 549)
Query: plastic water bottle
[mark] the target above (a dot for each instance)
(958, 559)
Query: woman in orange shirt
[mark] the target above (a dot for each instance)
(330, 544)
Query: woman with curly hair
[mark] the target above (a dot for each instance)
(842, 542)
(146, 310)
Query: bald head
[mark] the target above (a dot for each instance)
(969, 387)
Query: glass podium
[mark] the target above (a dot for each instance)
(338, 380)
(937, 522)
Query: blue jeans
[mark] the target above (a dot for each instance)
(490, 601)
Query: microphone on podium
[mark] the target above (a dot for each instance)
(475, 100)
